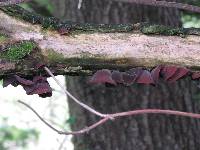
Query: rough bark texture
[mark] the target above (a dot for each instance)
(114, 12)
(152, 132)
(146, 132)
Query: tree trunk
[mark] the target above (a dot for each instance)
(146, 132)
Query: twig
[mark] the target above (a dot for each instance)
(35, 112)
(11, 2)
(156, 3)
(62, 143)
(73, 98)
(116, 115)
(63, 132)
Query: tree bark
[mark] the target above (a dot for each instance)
(146, 132)
(152, 132)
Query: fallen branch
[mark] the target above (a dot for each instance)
(74, 48)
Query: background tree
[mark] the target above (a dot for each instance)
(147, 132)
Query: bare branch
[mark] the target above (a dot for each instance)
(156, 111)
(115, 115)
(64, 132)
(35, 112)
(156, 3)
(72, 97)
(11, 2)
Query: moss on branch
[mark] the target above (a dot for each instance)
(3, 38)
(17, 51)
(74, 28)
(55, 24)
(164, 30)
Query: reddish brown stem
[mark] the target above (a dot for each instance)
(90, 109)
(116, 115)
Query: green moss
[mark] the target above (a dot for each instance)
(3, 38)
(18, 50)
(162, 30)
(101, 28)
(21, 13)
(54, 56)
